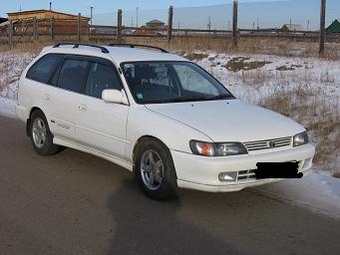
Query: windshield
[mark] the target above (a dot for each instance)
(166, 82)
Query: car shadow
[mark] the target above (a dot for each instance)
(145, 226)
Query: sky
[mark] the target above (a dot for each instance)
(101, 6)
(252, 13)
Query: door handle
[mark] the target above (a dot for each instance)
(82, 107)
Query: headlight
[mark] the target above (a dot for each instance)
(300, 139)
(217, 149)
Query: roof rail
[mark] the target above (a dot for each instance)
(76, 45)
(138, 46)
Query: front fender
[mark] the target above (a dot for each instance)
(174, 134)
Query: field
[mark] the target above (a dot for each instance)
(283, 76)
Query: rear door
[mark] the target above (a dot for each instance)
(64, 98)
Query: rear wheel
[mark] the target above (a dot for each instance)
(41, 136)
(155, 171)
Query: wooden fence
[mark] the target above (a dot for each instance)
(58, 30)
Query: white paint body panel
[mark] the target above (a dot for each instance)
(230, 120)
(111, 131)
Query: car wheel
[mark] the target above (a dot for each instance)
(155, 171)
(41, 136)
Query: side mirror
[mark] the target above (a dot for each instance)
(114, 96)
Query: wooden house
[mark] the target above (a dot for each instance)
(155, 24)
(291, 28)
(153, 27)
(63, 22)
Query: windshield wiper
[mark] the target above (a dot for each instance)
(189, 98)
(222, 96)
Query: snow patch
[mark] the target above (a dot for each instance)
(7, 107)
(317, 191)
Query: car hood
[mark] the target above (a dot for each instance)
(229, 120)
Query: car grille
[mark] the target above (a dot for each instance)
(245, 175)
(268, 144)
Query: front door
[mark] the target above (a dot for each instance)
(101, 125)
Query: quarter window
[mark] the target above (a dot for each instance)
(44, 68)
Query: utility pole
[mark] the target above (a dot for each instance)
(170, 22)
(119, 23)
(209, 23)
(137, 9)
(307, 25)
(91, 15)
(235, 14)
(79, 27)
(322, 28)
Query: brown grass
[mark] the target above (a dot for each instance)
(319, 116)
(243, 63)
(251, 45)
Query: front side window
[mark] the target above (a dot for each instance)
(169, 82)
(73, 74)
(44, 68)
(101, 76)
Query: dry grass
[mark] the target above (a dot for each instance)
(242, 63)
(320, 116)
(12, 64)
(249, 45)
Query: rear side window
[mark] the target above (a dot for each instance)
(73, 74)
(42, 70)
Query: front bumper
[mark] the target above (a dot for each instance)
(201, 173)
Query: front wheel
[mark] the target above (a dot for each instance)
(155, 171)
(41, 136)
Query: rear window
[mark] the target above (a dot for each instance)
(43, 69)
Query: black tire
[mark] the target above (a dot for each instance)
(154, 170)
(41, 136)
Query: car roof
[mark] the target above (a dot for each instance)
(124, 54)
(118, 54)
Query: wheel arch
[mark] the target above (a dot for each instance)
(144, 138)
(28, 122)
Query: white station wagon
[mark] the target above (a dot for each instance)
(158, 115)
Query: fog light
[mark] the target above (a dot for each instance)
(227, 177)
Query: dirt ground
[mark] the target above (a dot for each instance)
(74, 203)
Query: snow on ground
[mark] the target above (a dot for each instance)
(254, 84)
(318, 191)
(7, 107)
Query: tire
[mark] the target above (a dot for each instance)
(41, 136)
(155, 172)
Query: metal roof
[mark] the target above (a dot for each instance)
(293, 27)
